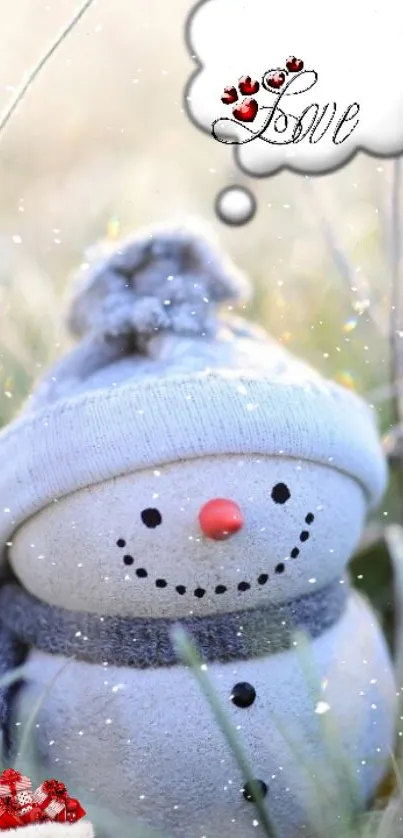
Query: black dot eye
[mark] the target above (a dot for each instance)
(151, 518)
(280, 493)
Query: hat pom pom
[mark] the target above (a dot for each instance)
(160, 281)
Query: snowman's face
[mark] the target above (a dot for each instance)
(135, 545)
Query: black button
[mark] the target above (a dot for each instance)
(254, 791)
(243, 694)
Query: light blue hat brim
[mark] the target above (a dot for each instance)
(90, 438)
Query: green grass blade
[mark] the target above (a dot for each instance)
(190, 656)
(24, 746)
(12, 676)
(344, 774)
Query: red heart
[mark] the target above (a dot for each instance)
(294, 65)
(246, 111)
(248, 86)
(275, 79)
(229, 96)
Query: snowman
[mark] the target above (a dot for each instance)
(180, 468)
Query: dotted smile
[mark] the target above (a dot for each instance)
(152, 518)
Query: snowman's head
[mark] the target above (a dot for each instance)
(200, 536)
(175, 463)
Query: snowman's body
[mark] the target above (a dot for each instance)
(144, 740)
(147, 742)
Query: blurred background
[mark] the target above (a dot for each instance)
(101, 145)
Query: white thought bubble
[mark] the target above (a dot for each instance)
(342, 93)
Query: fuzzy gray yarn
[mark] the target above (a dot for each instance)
(161, 280)
(12, 655)
(151, 307)
(143, 643)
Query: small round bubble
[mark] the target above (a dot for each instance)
(235, 206)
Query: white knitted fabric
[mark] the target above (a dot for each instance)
(159, 375)
(82, 829)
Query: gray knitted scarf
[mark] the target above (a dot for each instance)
(142, 643)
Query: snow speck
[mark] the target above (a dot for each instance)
(322, 707)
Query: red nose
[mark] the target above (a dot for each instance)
(220, 518)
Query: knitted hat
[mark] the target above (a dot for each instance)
(159, 375)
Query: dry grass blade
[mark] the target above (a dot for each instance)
(384, 392)
(396, 319)
(396, 293)
(31, 76)
(394, 540)
(338, 253)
